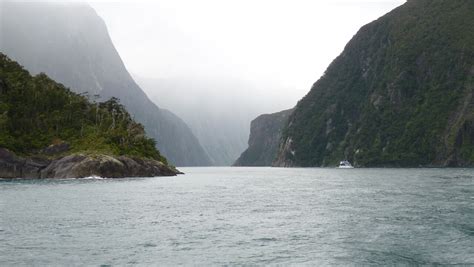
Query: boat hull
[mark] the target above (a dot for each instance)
(346, 167)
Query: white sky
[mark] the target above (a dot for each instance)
(286, 43)
(290, 42)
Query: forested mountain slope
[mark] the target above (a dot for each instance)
(400, 94)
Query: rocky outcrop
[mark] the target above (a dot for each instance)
(285, 154)
(80, 166)
(12, 166)
(264, 140)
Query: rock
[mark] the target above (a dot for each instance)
(12, 166)
(80, 166)
(264, 140)
(285, 155)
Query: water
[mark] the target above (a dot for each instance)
(227, 216)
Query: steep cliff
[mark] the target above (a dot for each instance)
(400, 94)
(264, 140)
(70, 43)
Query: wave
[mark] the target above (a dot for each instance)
(93, 177)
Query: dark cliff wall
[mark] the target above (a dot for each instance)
(264, 140)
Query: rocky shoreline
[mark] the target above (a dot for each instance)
(80, 166)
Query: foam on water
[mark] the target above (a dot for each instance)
(93, 177)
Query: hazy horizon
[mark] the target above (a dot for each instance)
(218, 65)
(281, 47)
(276, 46)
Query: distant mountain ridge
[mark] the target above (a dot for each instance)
(400, 94)
(226, 107)
(70, 43)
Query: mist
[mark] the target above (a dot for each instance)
(282, 43)
(219, 64)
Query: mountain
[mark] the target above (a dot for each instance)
(400, 94)
(264, 140)
(62, 134)
(226, 107)
(70, 43)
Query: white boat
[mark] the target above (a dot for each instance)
(345, 165)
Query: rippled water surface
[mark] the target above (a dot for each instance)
(243, 216)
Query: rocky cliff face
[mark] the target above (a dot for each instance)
(400, 94)
(70, 43)
(264, 140)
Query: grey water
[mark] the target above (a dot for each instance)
(243, 216)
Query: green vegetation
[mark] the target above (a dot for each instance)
(36, 112)
(399, 95)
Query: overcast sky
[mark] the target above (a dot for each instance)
(287, 43)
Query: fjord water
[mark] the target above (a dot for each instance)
(243, 216)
